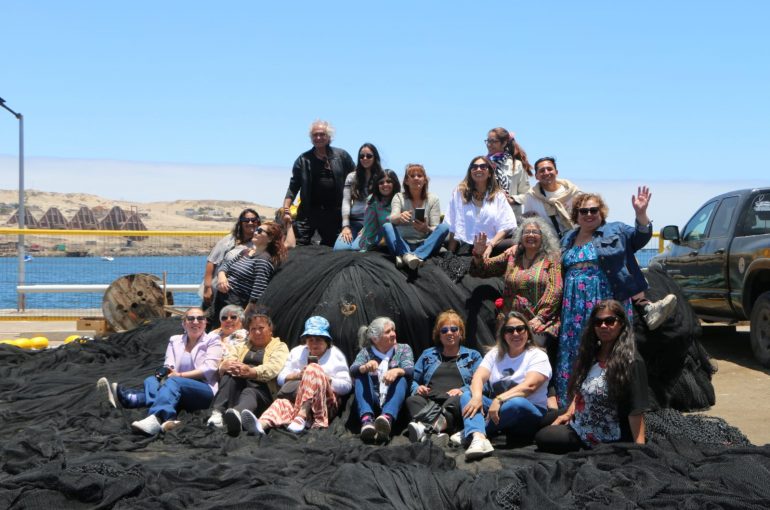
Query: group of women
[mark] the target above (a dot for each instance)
(565, 344)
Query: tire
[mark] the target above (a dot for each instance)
(760, 329)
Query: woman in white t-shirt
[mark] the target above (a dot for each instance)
(515, 373)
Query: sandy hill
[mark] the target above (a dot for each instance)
(176, 215)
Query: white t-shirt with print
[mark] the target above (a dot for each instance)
(508, 372)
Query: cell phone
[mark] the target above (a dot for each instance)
(312, 359)
(419, 213)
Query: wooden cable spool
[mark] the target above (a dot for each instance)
(133, 299)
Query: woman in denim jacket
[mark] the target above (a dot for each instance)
(434, 404)
(599, 263)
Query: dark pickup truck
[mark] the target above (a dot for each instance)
(721, 260)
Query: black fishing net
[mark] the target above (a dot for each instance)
(61, 447)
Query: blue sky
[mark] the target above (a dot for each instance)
(642, 92)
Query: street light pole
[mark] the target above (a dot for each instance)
(21, 212)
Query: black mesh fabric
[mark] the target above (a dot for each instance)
(62, 447)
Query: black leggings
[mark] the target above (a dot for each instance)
(451, 406)
(242, 394)
(558, 439)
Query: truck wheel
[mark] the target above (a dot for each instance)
(760, 329)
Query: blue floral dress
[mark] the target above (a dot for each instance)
(584, 286)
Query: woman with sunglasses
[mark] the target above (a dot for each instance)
(243, 279)
(516, 374)
(248, 375)
(189, 377)
(231, 327)
(532, 281)
(478, 205)
(378, 207)
(607, 389)
(441, 374)
(599, 263)
(415, 230)
(354, 195)
(512, 169)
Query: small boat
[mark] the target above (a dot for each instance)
(27, 258)
(108, 258)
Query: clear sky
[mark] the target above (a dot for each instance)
(156, 100)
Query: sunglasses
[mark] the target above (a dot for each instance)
(606, 321)
(585, 211)
(447, 329)
(366, 156)
(384, 181)
(490, 141)
(228, 318)
(250, 220)
(195, 318)
(514, 329)
(479, 166)
(261, 230)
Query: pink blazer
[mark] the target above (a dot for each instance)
(206, 355)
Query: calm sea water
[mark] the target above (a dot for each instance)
(94, 270)
(89, 270)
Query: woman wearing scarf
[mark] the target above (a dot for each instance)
(382, 372)
(512, 170)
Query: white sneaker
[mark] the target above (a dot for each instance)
(399, 262)
(416, 432)
(368, 433)
(656, 313)
(480, 447)
(412, 260)
(149, 426)
(382, 426)
(456, 439)
(215, 420)
(297, 425)
(232, 419)
(108, 391)
(251, 424)
(170, 425)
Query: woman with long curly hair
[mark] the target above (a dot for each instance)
(242, 280)
(608, 387)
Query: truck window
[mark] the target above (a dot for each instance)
(720, 227)
(696, 227)
(756, 219)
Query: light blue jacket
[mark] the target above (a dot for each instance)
(615, 244)
(468, 360)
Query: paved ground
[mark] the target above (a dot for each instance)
(742, 385)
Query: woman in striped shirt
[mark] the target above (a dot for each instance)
(242, 280)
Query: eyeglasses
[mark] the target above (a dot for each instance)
(447, 329)
(606, 321)
(195, 318)
(585, 211)
(490, 141)
(365, 156)
(532, 233)
(480, 166)
(228, 318)
(514, 329)
(250, 220)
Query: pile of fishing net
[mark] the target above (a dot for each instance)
(62, 447)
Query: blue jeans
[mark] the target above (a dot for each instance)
(163, 399)
(517, 415)
(355, 229)
(423, 250)
(368, 398)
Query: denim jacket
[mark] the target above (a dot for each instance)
(615, 244)
(468, 361)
